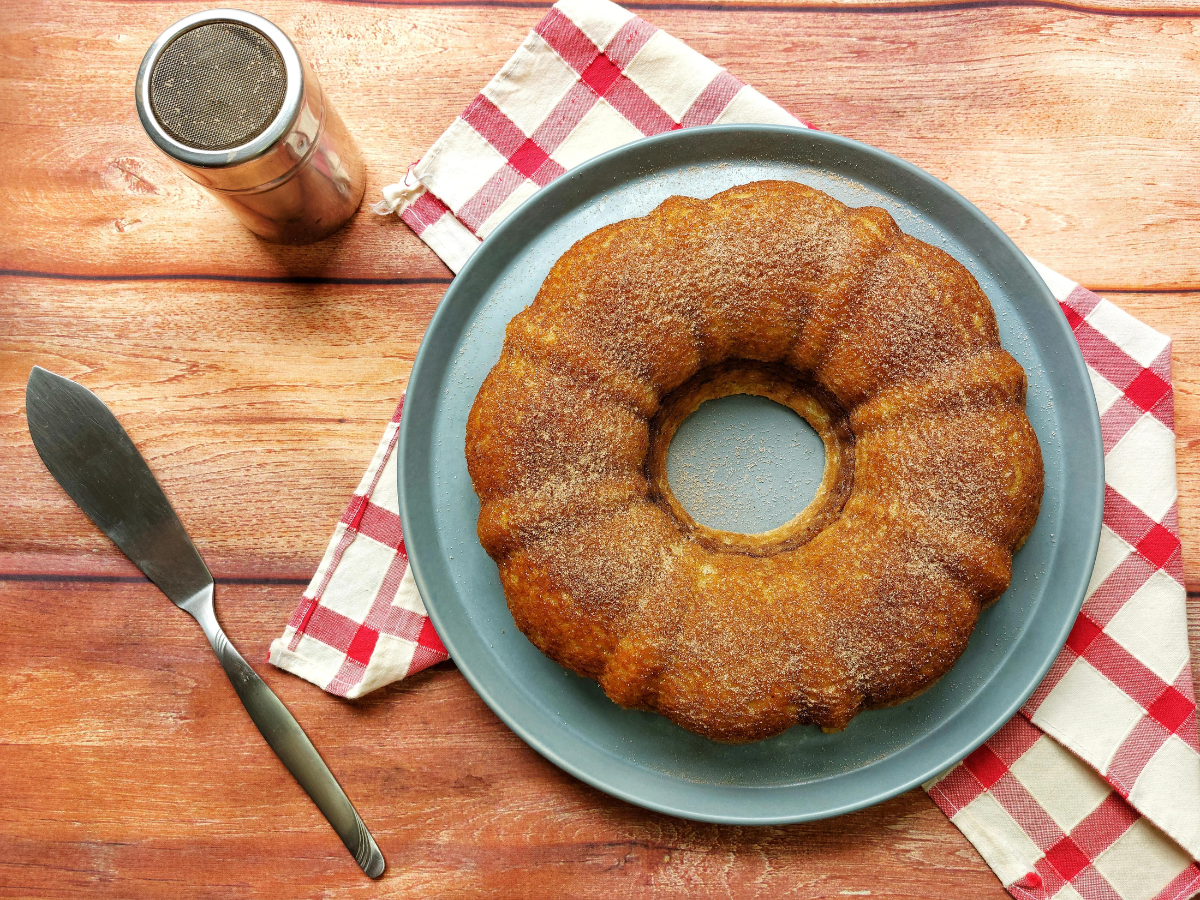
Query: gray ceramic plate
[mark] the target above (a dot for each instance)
(641, 757)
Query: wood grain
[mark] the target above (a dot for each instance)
(257, 380)
(150, 780)
(1058, 123)
(245, 403)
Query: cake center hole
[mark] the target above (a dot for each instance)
(745, 464)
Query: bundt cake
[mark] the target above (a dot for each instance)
(886, 345)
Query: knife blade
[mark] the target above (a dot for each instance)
(93, 458)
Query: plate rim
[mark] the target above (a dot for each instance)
(406, 441)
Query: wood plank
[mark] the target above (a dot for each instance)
(1055, 122)
(272, 396)
(260, 407)
(129, 769)
(1184, 8)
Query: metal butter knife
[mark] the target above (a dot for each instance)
(88, 452)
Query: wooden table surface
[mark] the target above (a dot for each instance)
(257, 379)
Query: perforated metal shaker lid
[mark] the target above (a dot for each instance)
(219, 88)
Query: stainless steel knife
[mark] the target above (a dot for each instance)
(88, 452)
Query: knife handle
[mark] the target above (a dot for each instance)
(296, 751)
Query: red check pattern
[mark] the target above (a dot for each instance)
(1170, 708)
(1003, 797)
(603, 69)
(1093, 791)
(601, 76)
(361, 623)
(1065, 857)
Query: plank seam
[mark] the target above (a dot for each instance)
(54, 577)
(237, 279)
(934, 6)
(432, 279)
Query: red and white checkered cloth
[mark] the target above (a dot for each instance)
(361, 623)
(590, 77)
(1093, 791)
(1119, 697)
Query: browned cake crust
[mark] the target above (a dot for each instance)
(886, 345)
